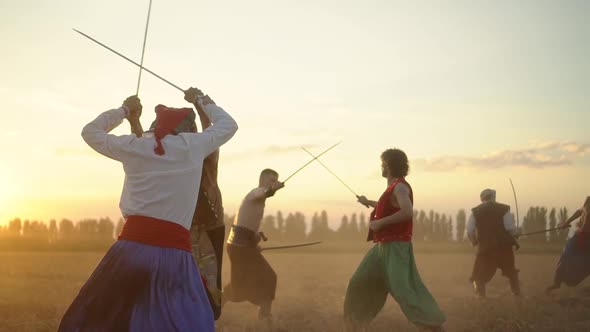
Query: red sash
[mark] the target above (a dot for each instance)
(156, 232)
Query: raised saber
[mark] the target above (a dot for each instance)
(311, 161)
(126, 58)
(143, 48)
(336, 176)
(291, 246)
(515, 203)
(517, 245)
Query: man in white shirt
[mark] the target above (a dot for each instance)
(491, 227)
(208, 227)
(252, 277)
(148, 280)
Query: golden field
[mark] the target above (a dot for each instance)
(37, 287)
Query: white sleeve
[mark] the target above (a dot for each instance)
(509, 224)
(223, 128)
(96, 134)
(471, 228)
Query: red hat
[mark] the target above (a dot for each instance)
(167, 119)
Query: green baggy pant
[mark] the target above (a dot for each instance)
(390, 268)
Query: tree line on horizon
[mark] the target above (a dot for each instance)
(429, 226)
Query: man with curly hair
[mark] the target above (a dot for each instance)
(389, 267)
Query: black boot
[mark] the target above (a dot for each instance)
(515, 285)
(480, 288)
(264, 311)
(556, 284)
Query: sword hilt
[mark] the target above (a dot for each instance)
(366, 205)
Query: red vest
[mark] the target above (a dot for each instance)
(402, 231)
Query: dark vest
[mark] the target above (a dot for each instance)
(489, 221)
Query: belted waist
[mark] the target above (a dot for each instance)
(242, 237)
(388, 237)
(156, 232)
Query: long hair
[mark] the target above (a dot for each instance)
(397, 162)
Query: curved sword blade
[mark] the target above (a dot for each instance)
(515, 202)
(546, 230)
(291, 246)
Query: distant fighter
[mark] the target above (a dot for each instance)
(491, 227)
(574, 264)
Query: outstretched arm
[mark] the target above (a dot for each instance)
(575, 216)
(366, 202)
(265, 192)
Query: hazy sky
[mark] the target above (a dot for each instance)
(475, 92)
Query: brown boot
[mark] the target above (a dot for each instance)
(264, 311)
(515, 285)
(480, 288)
(551, 288)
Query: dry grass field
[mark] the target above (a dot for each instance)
(36, 288)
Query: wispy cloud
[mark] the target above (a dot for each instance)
(543, 155)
